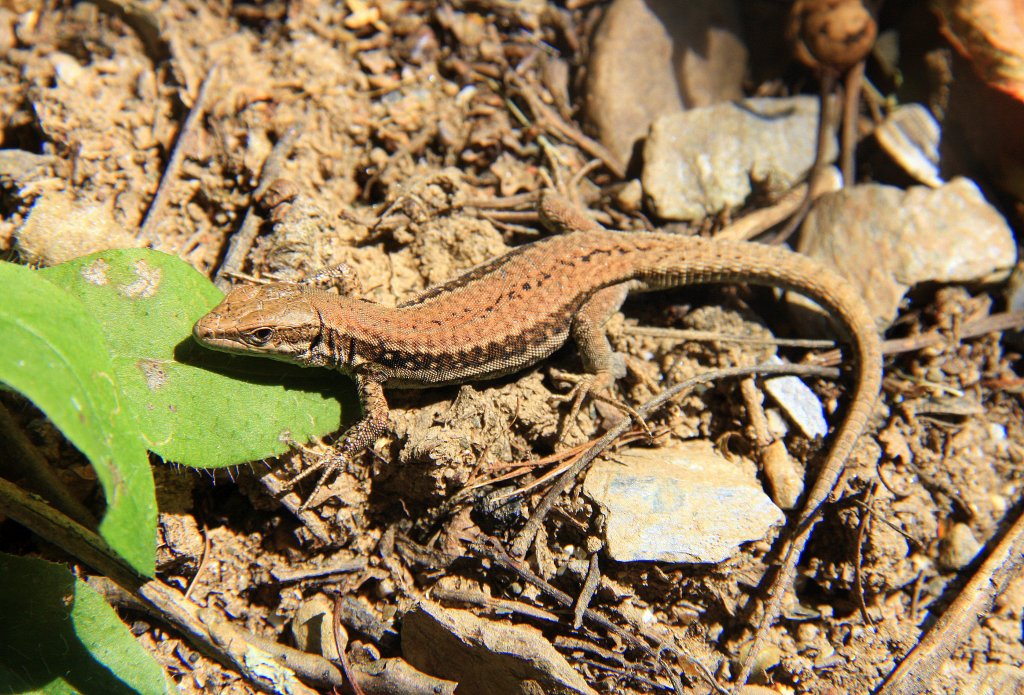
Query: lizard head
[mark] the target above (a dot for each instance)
(276, 320)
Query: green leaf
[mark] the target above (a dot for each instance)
(60, 636)
(196, 406)
(54, 353)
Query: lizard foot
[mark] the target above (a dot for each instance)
(597, 386)
(327, 464)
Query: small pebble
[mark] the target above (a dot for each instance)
(959, 548)
(798, 401)
(783, 476)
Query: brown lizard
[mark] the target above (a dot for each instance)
(514, 311)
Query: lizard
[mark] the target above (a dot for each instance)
(513, 311)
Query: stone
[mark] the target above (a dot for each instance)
(959, 548)
(799, 402)
(702, 162)
(885, 240)
(685, 503)
(312, 628)
(653, 57)
(910, 136)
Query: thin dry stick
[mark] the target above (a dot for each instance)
(550, 119)
(686, 334)
(828, 82)
(590, 584)
(339, 634)
(500, 557)
(866, 515)
(475, 597)
(918, 668)
(993, 323)
(202, 563)
(182, 145)
(242, 241)
(851, 99)
(23, 460)
(763, 219)
(522, 468)
(281, 489)
(92, 550)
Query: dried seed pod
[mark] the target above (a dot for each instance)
(831, 34)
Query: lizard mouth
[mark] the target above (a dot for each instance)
(206, 332)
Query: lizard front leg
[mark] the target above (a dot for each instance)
(356, 440)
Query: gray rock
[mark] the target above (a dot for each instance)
(885, 240)
(486, 657)
(701, 162)
(653, 57)
(681, 504)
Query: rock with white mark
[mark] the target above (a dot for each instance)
(681, 504)
(700, 163)
(885, 240)
(486, 657)
(312, 628)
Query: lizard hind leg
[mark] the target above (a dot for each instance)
(603, 365)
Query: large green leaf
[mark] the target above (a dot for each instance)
(196, 406)
(54, 353)
(59, 636)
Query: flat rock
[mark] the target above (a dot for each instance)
(653, 57)
(681, 504)
(885, 240)
(486, 657)
(701, 162)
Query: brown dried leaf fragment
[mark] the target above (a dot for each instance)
(989, 33)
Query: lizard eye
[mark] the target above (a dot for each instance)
(259, 336)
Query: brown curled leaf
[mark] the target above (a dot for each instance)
(989, 33)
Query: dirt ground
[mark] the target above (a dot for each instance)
(423, 133)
